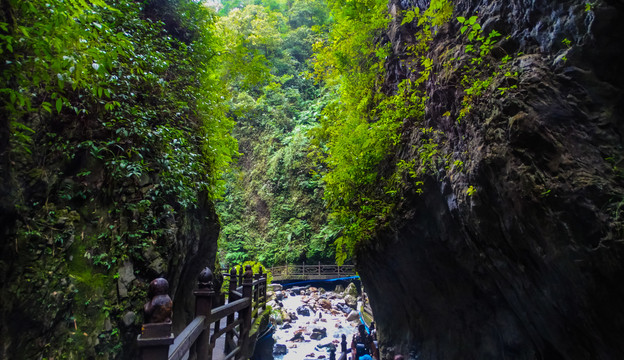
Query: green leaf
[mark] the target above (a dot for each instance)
(46, 106)
(59, 104)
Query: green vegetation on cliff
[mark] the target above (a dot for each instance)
(122, 119)
(114, 138)
(361, 127)
(273, 210)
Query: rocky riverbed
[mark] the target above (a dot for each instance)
(310, 321)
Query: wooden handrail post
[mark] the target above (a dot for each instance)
(203, 306)
(229, 336)
(256, 289)
(240, 276)
(263, 285)
(245, 314)
(156, 335)
(319, 268)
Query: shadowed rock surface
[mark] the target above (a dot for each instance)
(529, 265)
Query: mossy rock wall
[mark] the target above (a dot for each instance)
(511, 247)
(75, 268)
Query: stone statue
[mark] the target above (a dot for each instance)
(205, 279)
(248, 272)
(159, 308)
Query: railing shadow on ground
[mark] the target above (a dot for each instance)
(246, 304)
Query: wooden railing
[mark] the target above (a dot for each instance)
(246, 302)
(311, 272)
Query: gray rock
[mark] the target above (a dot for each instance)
(277, 318)
(128, 318)
(298, 337)
(351, 301)
(353, 315)
(351, 290)
(276, 287)
(158, 265)
(303, 311)
(126, 276)
(318, 333)
(280, 349)
(107, 325)
(344, 308)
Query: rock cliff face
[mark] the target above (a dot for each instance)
(80, 245)
(65, 293)
(65, 289)
(514, 249)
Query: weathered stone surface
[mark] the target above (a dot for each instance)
(298, 337)
(280, 349)
(128, 318)
(351, 290)
(303, 311)
(344, 308)
(318, 333)
(353, 316)
(325, 304)
(530, 264)
(276, 287)
(126, 276)
(350, 301)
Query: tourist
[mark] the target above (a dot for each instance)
(343, 348)
(343, 344)
(362, 345)
(373, 331)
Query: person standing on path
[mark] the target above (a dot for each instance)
(362, 345)
(343, 348)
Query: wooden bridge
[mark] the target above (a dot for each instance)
(204, 337)
(311, 272)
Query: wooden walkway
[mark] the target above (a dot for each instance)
(311, 272)
(222, 332)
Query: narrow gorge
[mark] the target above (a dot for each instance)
(465, 156)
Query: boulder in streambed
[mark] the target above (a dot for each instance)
(351, 301)
(276, 287)
(343, 307)
(298, 337)
(318, 333)
(280, 349)
(353, 316)
(325, 304)
(303, 311)
(351, 290)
